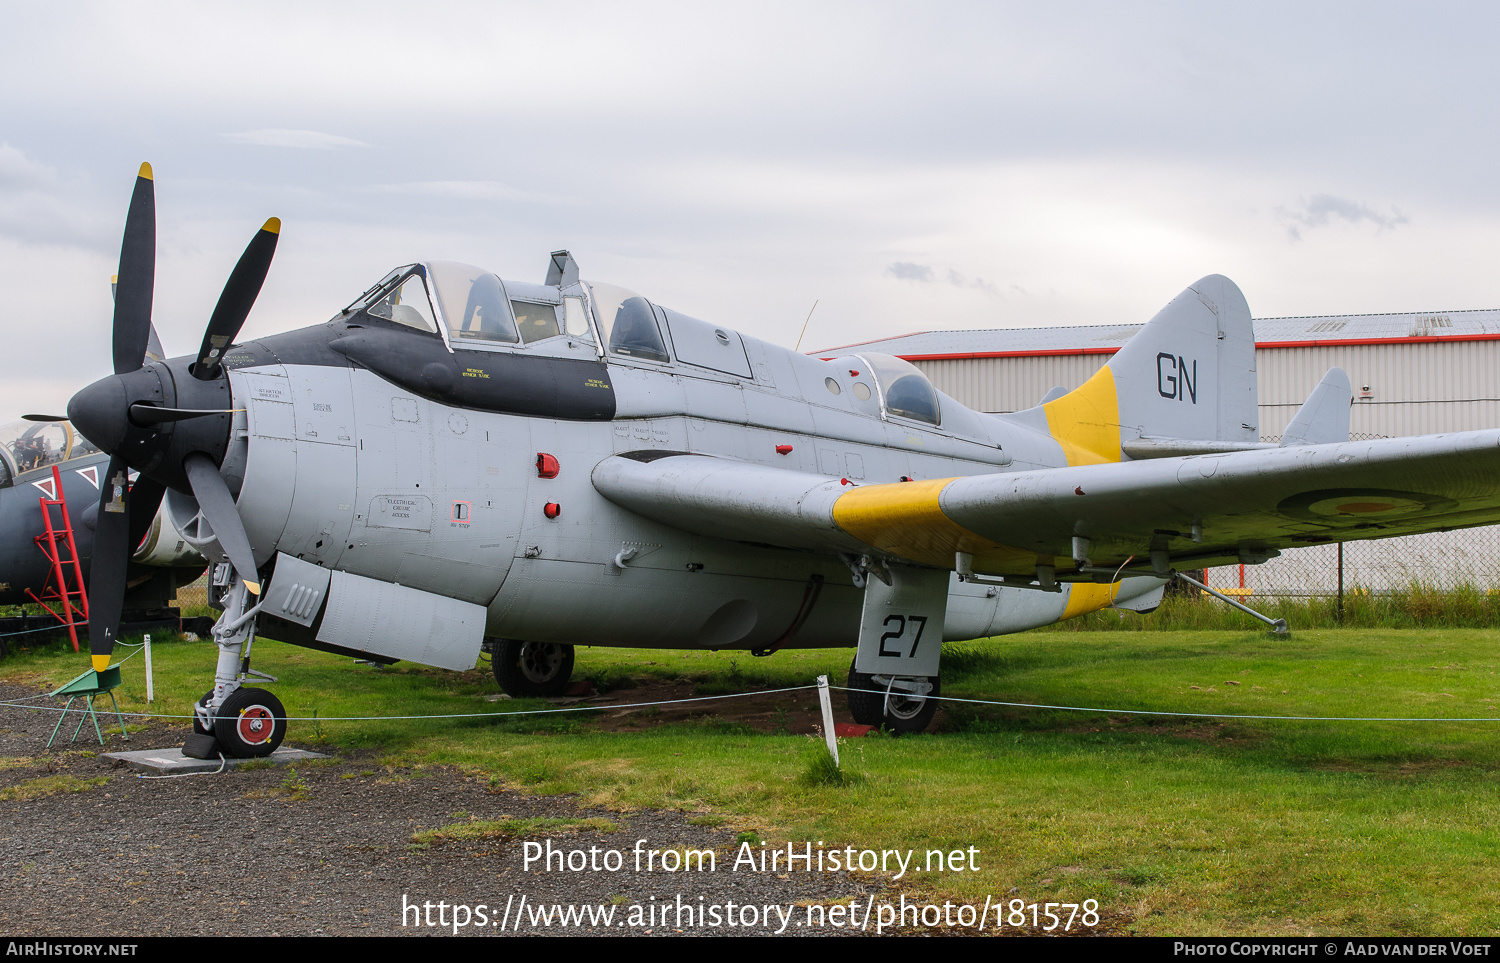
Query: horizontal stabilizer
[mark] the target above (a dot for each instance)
(1324, 417)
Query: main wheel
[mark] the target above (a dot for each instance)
(251, 723)
(906, 712)
(532, 669)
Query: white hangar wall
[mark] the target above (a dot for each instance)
(1413, 374)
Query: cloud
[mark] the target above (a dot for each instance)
(284, 137)
(17, 173)
(959, 281)
(37, 207)
(907, 271)
(1320, 209)
(468, 191)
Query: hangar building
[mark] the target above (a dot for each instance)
(1413, 374)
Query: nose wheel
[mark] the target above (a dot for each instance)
(251, 723)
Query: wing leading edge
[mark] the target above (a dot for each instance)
(1084, 522)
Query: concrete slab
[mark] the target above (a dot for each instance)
(172, 760)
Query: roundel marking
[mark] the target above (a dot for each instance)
(1362, 504)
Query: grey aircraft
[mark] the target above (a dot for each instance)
(454, 456)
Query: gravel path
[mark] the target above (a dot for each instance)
(331, 850)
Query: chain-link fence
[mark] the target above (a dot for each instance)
(1439, 560)
(194, 594)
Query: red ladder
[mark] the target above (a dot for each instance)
(53, 540)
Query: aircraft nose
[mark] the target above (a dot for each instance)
(101, 413)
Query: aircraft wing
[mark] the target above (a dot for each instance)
(1189, 512)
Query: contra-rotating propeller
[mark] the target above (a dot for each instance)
(155, 418)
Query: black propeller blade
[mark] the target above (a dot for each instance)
(145, 499)
(239, 295)
(121, 415)
(217, 505)
(144, 414)
(44, 417)
(107, 572)
(153, 343)
(137, 277)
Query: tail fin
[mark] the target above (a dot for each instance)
(1189, 374)
(1324, 416)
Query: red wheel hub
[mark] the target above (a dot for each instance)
(256, 725)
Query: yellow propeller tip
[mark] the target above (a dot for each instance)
(146, 171)
(101, 662)
(273, 225)
(254, 587)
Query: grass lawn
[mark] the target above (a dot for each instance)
(1176, 825)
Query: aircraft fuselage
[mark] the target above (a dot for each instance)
(374, 450)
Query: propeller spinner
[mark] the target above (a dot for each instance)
(167, 420)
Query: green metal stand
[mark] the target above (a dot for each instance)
(87, 687)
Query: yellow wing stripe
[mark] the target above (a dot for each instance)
(905, 519)
(1086, 420)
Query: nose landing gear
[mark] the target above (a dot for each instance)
(239, 722)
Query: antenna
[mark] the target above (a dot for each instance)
(804, 326)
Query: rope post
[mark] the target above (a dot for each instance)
(150, 689)
(833, 743)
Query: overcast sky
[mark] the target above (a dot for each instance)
(907, 166)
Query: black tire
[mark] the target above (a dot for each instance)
(198, 727)
(532, 669)
(905, 714)
(251, 723)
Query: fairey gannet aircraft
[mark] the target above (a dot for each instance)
(455, 456)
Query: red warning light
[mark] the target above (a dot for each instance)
(783, 449)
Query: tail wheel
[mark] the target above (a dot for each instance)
(250, 723)
(903, 712)
(532, 669)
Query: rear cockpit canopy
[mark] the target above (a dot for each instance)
(628, 322)
(904, 390)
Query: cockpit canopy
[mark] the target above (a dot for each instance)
(627, 322)
(29, 445)
(904, 389)
(469, 307)
(472, 305)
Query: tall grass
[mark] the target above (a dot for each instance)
(1417, 606)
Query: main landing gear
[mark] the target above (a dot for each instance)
(531, 669)
(231, 719)
(901, 705)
